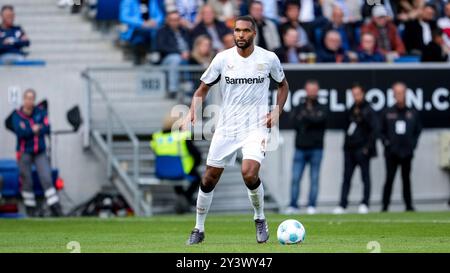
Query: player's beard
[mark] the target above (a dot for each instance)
(247, 43)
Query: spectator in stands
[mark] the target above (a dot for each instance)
(173, 42)
(228, 41)
(142, 18)
(226, 10)
(332, 51)
(202, 52)
(350, 8)
(435, 51)
(385, 32)
(417, 33)
(209, 25)
(444, 24)
(309, 119)
(291, 52)
(400, 131)
(361, 133)
(267, 34)
(170, 141)
(31, 125)
(346, 30)
(12, 37)
(292, 14)
(368, 53)
(187, 9)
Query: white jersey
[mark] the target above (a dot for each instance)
(244, 85)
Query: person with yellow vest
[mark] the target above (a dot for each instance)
(171, 143)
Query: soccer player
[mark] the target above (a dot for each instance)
(243, 73)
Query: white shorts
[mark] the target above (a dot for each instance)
(223, 150)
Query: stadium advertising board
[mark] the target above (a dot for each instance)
(428, 92)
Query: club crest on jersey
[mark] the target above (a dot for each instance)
(230, 66)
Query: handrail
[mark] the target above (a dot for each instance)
(130, 134)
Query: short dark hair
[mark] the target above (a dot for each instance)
(359, 86)
(257, 2)
(312, 81)
(247, 18)
(290, 3)
(7, 7)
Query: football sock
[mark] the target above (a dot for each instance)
(203, 203)
(256, 197)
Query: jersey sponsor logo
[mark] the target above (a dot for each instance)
(229, 80)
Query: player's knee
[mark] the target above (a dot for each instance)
(250, 176)
(209, 182)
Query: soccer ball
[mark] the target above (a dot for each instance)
(291, 232)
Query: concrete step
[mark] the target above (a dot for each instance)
(88, 57)
(68, 46)
(30, 2)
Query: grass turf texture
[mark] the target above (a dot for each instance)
(395, 232)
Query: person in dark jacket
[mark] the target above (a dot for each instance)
(359, 148)
(400, 131)
(292, 17)
(332, 51)
(31, 125)
(211, 27)
(12, 38)
(291, 52)
(173, 43)
(309, 119)
(417, 33)
(433, 51)
(368, 53)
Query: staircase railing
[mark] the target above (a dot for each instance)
(112, 163)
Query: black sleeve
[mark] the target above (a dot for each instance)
(383, 128)
(372, 123)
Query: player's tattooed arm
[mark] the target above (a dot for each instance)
(197, 100)
(282, 94)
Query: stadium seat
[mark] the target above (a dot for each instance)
(107, 10)
(408, 59)
(25, 63)
(11, 185)
(169, 167)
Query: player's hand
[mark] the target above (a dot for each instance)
(272, 119)
(189, 120)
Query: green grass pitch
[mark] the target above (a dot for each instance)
(393, 232)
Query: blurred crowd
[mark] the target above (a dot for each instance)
(298, 31)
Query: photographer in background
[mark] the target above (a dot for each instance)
(310, 118)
